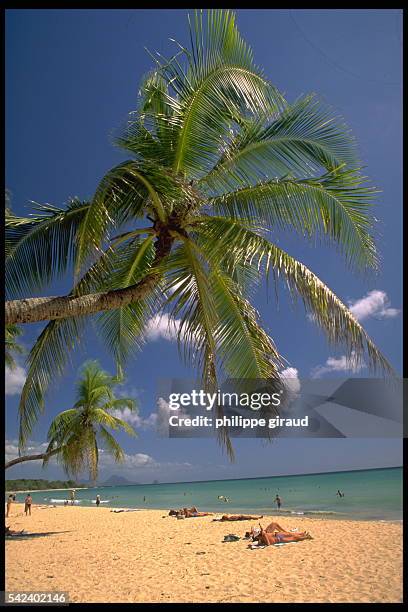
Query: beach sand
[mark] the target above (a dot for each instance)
(100, 556)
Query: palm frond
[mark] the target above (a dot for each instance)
(41, 248)
(122, 329)
(112, 446)
(49, 355)
(328, 311)
(336, 205)
(150, 131)
(102, 417)
(193, 305)
(46, 361)
(117, 197)
(122, 403)
(12, 332)
(220, 82)
(303, 139)
(245, 349)
(61, 426)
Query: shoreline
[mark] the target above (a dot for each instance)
(320, 516)
(95, 554)
(282, 515)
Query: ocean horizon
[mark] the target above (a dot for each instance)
(373, 494)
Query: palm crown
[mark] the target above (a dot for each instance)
(77, 432)
(219, 163)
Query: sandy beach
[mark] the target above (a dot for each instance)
(146, 556)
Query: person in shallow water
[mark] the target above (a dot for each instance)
(27, 504)
(9, 502)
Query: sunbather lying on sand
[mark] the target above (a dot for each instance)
(188, 512)
(239, 517)
(255, 531)
(266, 538)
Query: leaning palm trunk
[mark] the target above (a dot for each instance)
(34, 310)
(42, 456)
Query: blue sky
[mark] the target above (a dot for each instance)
(71, 78)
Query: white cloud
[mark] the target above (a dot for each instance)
(132, 417)
(158, 420)
(339, 364)
(15, 379)
(374, 304)
(125, 390)
(291, 380)
(136, 460)
(32, 448)
(161, 327)
(163, 413)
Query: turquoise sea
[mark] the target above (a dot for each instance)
(368, 494)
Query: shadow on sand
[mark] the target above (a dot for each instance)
(30, 535)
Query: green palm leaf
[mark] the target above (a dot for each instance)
(336, 205)
(221, 82)
(51, 352)
(12, 332)
(46, 361)
(327, 309)
(304, 138)
(112, 445)
(122, 329)
(41, 248)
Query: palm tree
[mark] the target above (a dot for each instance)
(219, 163)
(75, 434)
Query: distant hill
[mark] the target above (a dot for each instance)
(115, 480)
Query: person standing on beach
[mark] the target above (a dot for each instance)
(9, 502)
(98, 500)
(27, 504)
(278, 501)
(72, 497)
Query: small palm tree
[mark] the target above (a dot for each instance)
(75, 435)
(219, 162)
